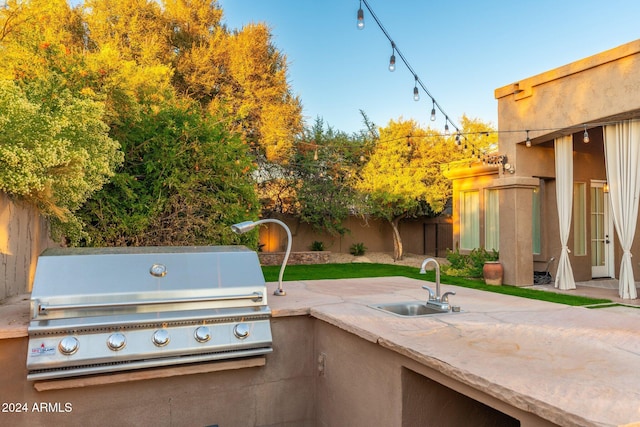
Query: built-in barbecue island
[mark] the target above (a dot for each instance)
(336, 361)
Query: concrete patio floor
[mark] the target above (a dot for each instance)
(599, 288)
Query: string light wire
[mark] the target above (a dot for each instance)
(419, 83)
(406, 63)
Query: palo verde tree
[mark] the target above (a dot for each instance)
(402, 177)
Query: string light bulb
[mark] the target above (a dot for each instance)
(416, 93)
(585, 136)
(528, 142)
(392, 60)
(446, 126)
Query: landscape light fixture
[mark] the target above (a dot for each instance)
(243, 227)
(360, 17)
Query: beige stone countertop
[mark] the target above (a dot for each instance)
(573, 366)
(14, 317)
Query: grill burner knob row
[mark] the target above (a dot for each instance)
(68, 345)
(241, 331)
(116, 341)
(203, 334)
(161, 337)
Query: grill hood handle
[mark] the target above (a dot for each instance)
(44, 309)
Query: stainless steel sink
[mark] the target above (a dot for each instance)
(408, 309)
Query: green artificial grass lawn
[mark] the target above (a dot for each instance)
(352, 271)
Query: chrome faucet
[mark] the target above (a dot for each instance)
(434, 299)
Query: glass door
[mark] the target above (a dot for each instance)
(601, 231)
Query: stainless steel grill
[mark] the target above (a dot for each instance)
(99, 310)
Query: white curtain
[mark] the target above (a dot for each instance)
(622, 157)
(564, 200)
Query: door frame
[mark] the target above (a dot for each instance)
(607, 270)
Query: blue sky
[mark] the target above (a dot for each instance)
(462, 50)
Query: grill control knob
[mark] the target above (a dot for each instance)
(241, 331)
(203, 334)
(161, 337)
(116, 341)
(68, 345)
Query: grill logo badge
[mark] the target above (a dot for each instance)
(42, 350)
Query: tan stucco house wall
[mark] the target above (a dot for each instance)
(585, 95)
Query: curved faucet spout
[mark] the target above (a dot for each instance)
(423, 271)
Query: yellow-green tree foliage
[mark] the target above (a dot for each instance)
(126, 62)
(54, 146)
(403, 177)
(239, 73)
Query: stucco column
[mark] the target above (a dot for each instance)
(516, 242)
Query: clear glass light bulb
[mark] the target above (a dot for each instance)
(585, 137)
(392, 63)
(416, 94)
(360, 19)
(433, 114)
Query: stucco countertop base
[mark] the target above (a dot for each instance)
(573, 366)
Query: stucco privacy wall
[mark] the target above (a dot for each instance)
(375, 234)
(23, 236)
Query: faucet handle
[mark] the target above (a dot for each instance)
(445, 296)
(432, 296)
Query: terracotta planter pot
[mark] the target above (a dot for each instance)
(492, 272)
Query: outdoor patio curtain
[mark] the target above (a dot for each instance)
(622, 158)
(564, 199)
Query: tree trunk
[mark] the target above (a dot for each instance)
(398, 251)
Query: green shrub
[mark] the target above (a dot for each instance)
(357, 249)
(317, 246)
(468, 265)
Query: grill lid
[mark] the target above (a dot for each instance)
(74, 282)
